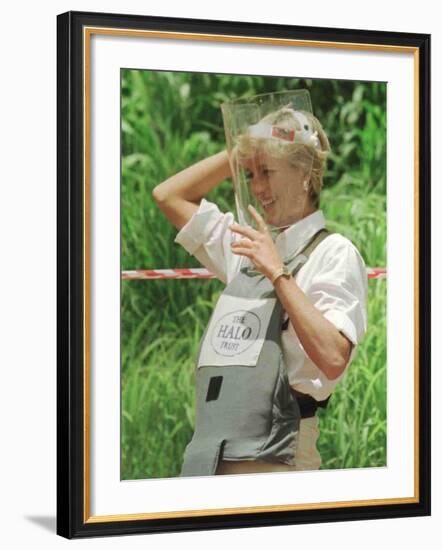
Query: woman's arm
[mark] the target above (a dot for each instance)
(328, 348)
(178, 197)
(323, 343)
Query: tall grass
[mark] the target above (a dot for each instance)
(169, 121)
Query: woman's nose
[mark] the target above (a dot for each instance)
(258, 184)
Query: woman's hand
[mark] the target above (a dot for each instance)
(257, 245)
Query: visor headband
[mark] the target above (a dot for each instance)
(270, 131)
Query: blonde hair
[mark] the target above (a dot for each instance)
(307, 157)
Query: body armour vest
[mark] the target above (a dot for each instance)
(245, 408)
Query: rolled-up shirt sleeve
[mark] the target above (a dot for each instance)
(339, 289)
(207, 237)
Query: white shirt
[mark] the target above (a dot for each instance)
(334, 279)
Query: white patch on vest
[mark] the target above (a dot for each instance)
(236, 332)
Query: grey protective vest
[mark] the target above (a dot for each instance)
(245, 409)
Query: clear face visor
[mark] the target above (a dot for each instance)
(271, 144)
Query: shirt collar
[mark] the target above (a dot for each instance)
(295, 237)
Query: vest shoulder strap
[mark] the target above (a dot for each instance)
(306, 252)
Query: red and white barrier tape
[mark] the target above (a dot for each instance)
(202, 273)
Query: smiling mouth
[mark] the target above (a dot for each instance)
(267, 204)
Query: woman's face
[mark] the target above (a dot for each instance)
(278, 187)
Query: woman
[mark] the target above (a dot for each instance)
(293, 290)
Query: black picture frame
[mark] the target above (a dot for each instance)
(73, 518)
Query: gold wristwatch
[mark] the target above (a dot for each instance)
(281, 272)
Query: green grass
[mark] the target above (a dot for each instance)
(169, 121)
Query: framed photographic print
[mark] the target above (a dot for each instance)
(243, 274)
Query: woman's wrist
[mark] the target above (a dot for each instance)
(279, 272)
